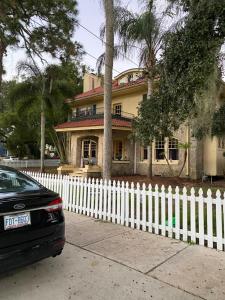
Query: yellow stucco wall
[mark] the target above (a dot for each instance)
(210, 156)
(90, 81)
(129, 102)
(214, 162)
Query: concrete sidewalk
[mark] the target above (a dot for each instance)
(106, 261)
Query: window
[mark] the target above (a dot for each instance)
(117, 109)
(129, 77)
(144, 153)
(86, 149)
(94, 110)
(13, 181)
(92, 83)
(117, 150)
(159, 148)
(221, 143)
(173, 150)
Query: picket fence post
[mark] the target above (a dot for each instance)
(177, 213)
(163, 210)
(150, 208)
(143, 197)
(109, 206)
(118, 202)
(170, 212)
(127, 204)
(209, 219)
(156, 214)
(105, 200)
(219, 221)
(201, 217)
(138, 204)
(122, 203)
(97, 189)
(132, 205)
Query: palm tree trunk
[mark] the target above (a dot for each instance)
(42, 128)
(2, 51)
(184, 163)
(107, 144)
(149, 171)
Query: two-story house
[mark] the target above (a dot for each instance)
(85, 131)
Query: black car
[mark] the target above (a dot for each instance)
(31, 221)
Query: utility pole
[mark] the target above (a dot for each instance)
(109, 49)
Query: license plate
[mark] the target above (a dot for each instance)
(16, 221)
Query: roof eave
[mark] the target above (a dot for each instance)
(114, 92)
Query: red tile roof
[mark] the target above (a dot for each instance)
(115, 86)
(93, 122)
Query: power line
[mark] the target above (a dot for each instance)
(95, 35)
(97, 60)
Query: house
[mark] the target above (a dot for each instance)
(85, 132)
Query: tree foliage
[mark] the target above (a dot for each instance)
(218, 127)
(20, 121)
(44, 26)
(189, 71)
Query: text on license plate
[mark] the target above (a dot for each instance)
(16, 221)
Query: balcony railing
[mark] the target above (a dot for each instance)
(99, 113)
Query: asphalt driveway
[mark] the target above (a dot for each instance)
(107, 261)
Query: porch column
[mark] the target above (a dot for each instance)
(100, 150)
(82, 152)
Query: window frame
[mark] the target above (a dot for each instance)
(144, 150)
(115, 107)
(115, 144)
(162, 141)
(172, 147)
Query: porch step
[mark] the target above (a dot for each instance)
(87, 171)
(79, 174)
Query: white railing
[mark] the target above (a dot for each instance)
(30, 163)
(176, 213)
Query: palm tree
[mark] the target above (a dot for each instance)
(107, 148)
(32, 69)
(141, 33)
(50, 87)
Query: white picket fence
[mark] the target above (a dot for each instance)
(175, 213)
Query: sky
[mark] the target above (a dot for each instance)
(91, 15)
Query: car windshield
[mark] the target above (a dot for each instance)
(13, 181)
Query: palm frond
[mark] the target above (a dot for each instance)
(117, 52)
(28, 67)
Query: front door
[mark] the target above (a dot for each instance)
(89, 152)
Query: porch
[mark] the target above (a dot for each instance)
(86, 135)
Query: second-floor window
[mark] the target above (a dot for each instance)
(117, 109)
(85, 111)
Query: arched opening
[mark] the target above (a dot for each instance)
(88, 152)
